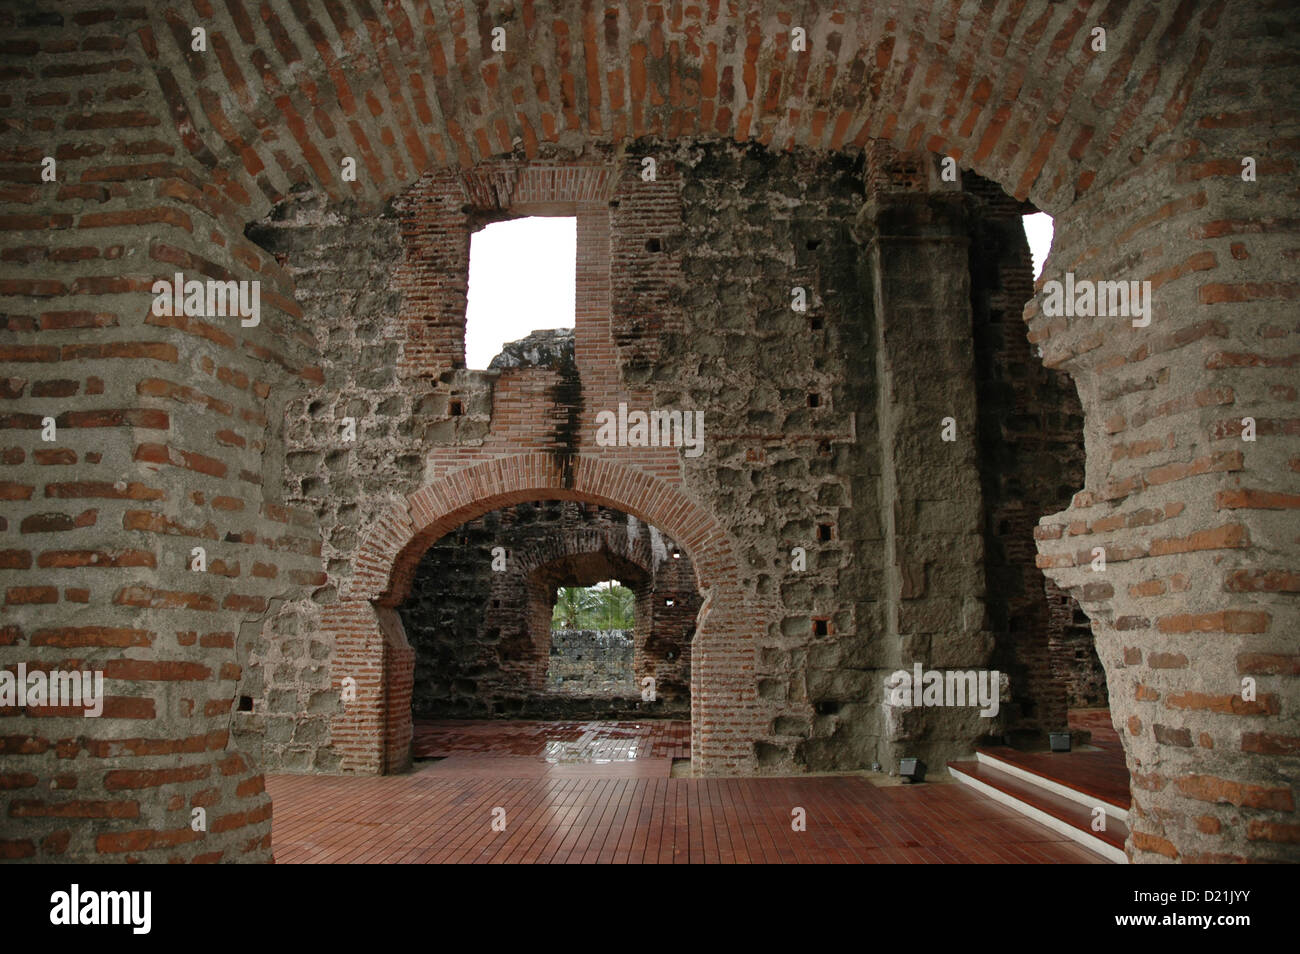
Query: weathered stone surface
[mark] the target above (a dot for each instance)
(540, 349)
(592, 662)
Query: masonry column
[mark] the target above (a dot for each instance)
(916, 250)
(1192, 467)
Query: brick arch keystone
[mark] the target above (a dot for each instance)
(372, 733)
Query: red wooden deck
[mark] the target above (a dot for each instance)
(565, 802)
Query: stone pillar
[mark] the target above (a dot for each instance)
(916, 250)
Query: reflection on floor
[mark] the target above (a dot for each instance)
(553, 743)
(506, 792)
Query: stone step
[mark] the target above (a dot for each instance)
(1066, 816)
(1088, 777)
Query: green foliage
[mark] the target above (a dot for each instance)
(573, 605)
(609, 606)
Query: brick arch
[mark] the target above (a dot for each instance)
(631, 562)
(373, 733)
(1017, 94)
(578, 543)
(1136, 154)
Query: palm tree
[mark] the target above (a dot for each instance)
(573, 606)
(605, 606)
(616, 606)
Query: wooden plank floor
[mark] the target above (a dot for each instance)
(628, 811)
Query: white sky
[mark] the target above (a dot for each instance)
(521, 279)
(1038, 229)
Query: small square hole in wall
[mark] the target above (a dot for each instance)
(824, 532)
(815, 322)
(653, 245)
(824, 448)
(814, 399)
(821, 626)
(670, 602)
(457, 409)
(245, 703)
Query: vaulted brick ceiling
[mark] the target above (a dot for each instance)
(1012, 89)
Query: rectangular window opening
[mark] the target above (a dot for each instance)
(522, 279)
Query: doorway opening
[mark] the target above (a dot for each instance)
(592, 641)
(552, 630)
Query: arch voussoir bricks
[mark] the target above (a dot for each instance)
(835, 536)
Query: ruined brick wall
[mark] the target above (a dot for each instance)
(790, 461)
(733, 230)
(1031, 461)
(1074, 654)
(163, 426)
(666, 615)
(1199, 526)
(700, 265)
(788, 402)
(344, 264)
(482, 635)
(166, 154)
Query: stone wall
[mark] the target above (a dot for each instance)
(343, 262)
(793, 457)
(592, 662)
(788, 396)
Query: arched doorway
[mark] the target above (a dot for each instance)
(373, 733)
(552, 610)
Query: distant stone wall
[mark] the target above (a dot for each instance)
(482, 636)
(591, 661)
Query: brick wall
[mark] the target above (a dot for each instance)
(1073, 653)
(1031, 462)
